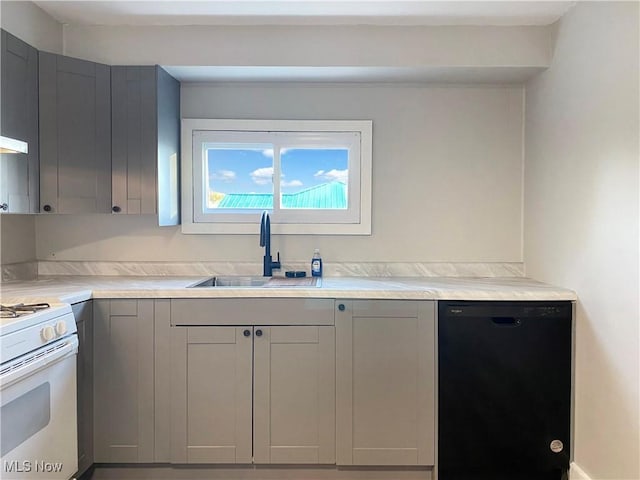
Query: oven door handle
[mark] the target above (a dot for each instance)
(31, 363)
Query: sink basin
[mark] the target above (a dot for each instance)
(253, 282)
(232, 281)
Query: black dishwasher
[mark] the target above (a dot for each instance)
(504, 390)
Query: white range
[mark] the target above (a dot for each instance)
(38, 418)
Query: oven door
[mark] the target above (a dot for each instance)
(38, 432)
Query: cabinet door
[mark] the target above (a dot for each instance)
(83, 314)
(211, 395)
(385, 382)
(134, 139)
(19, 186)
(145, 105)
(123, 381)
(75, 135)
(294, 395)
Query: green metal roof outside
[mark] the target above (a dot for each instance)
(331, 195)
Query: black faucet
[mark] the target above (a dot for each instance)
(268, 265)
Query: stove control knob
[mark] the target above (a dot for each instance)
(61, 327)
(48, 333)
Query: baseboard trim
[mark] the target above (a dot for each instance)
(258, 472)
(576, 473)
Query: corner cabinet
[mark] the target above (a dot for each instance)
(385, 399)
(75, 135)
(261, 394)
(19, 119)
(83, 313)
(145, 142)
(124, 381)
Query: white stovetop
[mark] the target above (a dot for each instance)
(72, 289)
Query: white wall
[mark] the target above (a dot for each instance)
(447, 179)
(17, 238)
(31, 24)
(290, 46)
(582, 215)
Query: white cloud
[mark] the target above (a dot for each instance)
(262, 176)
(292, 183)
(334, 175)
(268, 152)
(226, 176)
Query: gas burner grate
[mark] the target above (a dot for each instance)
(14, 311)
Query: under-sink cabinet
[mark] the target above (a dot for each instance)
(385, 369)
(253, 393)
(261, 394)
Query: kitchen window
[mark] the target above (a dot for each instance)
(313, 177)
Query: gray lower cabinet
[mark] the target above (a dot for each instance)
(385, 382)
(19, 120)
(294, 395)
(252, 393)
(211, 395)
(124, 412)
(83, 313)
(145, 142)
(75, 135)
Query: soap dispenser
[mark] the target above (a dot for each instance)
(316, 264)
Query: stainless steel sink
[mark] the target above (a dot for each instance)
(232, 281)
(254, 282)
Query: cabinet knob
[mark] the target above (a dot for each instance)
(4, 207)
(258, 333)
(47, 208)
(341, 307)
(246, 333)
(116, 209)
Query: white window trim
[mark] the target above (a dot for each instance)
(191, 125)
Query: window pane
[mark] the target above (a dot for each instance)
(239, 178)
(314, 178)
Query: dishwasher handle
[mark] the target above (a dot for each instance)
(506, 321)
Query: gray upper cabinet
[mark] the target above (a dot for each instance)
(145, 106)
(19, 172)
(75, 135)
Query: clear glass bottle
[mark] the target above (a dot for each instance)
(316, 264)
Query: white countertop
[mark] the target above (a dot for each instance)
(73, 289)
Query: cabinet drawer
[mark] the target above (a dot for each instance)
(252, 311)
(385, 308)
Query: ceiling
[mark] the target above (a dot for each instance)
(305, 12)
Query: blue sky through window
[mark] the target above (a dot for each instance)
(249, 170)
